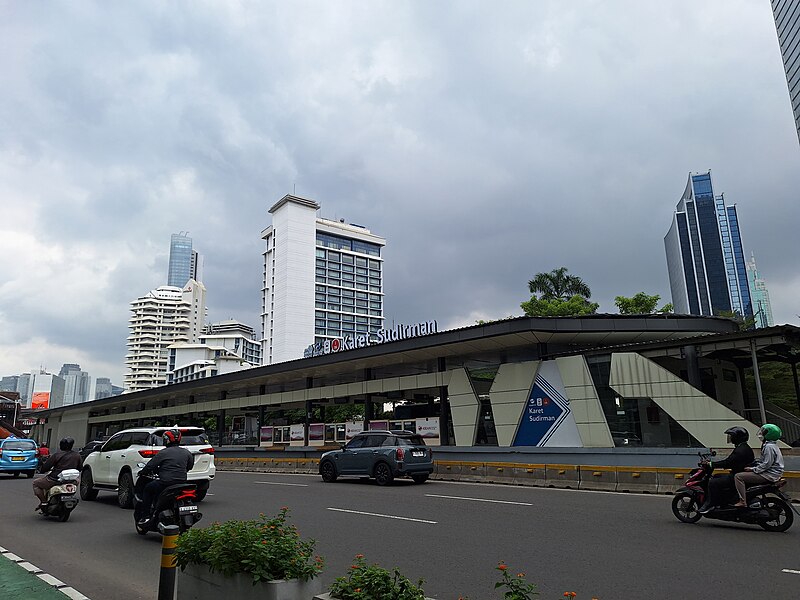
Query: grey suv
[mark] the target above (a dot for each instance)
(383, 455)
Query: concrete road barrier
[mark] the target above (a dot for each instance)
(473, 471)
(447, 470)
(563, 476)
(598, 478)
(637, 479)
(530, 475)
(669, 480)
(500, 472)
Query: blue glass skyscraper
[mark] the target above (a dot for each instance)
(705, 259)
(184, 262)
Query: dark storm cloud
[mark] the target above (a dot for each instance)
(485, 144)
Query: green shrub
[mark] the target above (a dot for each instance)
(367, 582)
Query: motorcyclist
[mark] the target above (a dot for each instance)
(65, 458)
(767, 469)
(741, 457)
(171, 465)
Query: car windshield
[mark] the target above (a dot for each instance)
(20, 445)
(189, 437)
(412, 440)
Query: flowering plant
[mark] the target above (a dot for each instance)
(266, 548)
(366, 582)
(516, 587)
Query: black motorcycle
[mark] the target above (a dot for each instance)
(62, 498)
(767, 505)
(175, 505)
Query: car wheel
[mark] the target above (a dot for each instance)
(125, 490)
(420, 477)
(383, 474)
(328, 472)
(30, 474)
(87, 486)
(17, 474)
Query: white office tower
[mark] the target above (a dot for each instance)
(322, 280)
(165, 316)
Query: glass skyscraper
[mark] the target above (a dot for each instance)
(762, 309)
(705, 259)
(787, 22)
(184, 262)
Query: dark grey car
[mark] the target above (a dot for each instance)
(383, 455)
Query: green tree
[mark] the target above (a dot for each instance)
(745, 323)
(641, 304)
(560, 295)
(577, 305)
(557, 285)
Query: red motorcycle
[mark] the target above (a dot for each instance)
(767, 506)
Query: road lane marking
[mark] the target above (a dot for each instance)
(281, 483)
(479, 499)
(793, 571)
(369, 514)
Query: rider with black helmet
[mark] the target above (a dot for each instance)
(171, 465)
(65, 458)
(741, 457)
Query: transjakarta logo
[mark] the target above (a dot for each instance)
(350, 342)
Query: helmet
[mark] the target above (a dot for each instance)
(172, 436)
(738, 434)
(770, 432)
(66, 443)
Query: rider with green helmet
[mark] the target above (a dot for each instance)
(767, 469)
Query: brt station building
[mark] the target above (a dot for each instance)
(599, 381)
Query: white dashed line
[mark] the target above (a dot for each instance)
(369, 514)
(281, 483)
(479, 499)
(792, 571)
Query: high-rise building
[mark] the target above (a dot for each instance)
(707, 274)
(102, 388)
(47, 390)
(9, 383)
(163, 317)
(184, 262)
(322, 280)
(787, 23)
(76, 384)
(762, 309)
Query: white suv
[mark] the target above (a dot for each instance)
(114, 466)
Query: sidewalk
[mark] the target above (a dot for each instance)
(19, 582)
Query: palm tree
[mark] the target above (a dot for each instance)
(557, 285)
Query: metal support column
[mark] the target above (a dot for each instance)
(308, 411)
(692, 367)
(220, 427)
(754, 361)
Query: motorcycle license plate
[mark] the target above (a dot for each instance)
(17, 458)
(68, 499)
(419, 453)
(187, 509)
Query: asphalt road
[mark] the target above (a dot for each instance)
(610, 546)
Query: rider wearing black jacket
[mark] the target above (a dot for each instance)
(171, 465)
(741, 457)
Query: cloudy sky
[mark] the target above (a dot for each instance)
(486, 142)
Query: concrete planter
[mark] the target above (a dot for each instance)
(327, 596)
(197, 582)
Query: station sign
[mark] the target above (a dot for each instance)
(350, 342)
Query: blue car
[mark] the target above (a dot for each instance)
(18, 455)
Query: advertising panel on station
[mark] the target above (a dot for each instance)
(547, 419)
(429, 429)
(265, 436)
(353, 428)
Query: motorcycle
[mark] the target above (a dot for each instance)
(767, 506)
(175, 505)
(62, 498)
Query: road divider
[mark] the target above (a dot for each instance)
(653, 480)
